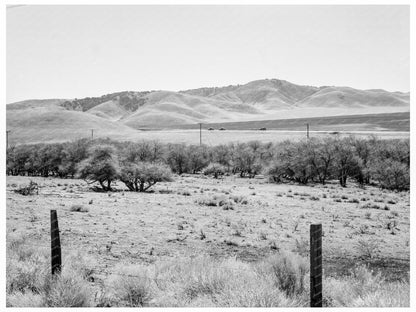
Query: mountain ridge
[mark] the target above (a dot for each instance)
(264, 99)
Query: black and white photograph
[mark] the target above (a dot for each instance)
(207, 155)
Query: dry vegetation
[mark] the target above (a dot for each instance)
(186, 225)
(201, 241)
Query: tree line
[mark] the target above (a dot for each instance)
(140, 165)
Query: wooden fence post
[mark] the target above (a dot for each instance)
(316, 265)
(55, 244)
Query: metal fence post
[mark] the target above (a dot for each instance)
(316, 265)
(55, 244)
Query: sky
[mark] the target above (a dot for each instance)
(79, 51)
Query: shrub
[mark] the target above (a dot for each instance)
(78, 208)
(29, 189)
(68, 290)
(101, 166)
(130, 285)
(288, 271)
(240, 199)
(367, 248)
(177, 158)
(391, 174)
(142, 176)
(197, 158)
(215, 169)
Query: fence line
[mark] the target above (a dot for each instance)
(315, 260)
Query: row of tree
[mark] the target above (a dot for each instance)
(140, 165)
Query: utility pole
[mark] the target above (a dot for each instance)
(200, 134)
(92, 134)
(307, 130)
(7, 138)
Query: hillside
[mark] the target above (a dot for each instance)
(42, 124)
(349, 123)
(122, 113)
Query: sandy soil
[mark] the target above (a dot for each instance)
(173, 222)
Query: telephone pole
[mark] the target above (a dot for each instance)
(200, 134)
(7, 138)
(307, 130)
(92, 134)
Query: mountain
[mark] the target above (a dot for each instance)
(123, 113)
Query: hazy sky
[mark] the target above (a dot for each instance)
(79, 51)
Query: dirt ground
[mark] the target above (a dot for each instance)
(177, 220)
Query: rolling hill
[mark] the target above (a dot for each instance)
(122, 114)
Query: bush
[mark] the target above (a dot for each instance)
(78, 208)
(288, 271)
(197, 158)
(215, 169)
(177, 158)
(130, 285)
(68, 290)
(101, 166)
(142, 176)
(392, 174)
(29, 189)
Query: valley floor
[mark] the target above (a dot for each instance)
(197, 215)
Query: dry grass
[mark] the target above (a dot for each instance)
(30, 284)
(280, 280)
(135, 228)
(363, 288)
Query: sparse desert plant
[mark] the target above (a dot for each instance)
(367, 248)
(185, 193)
(370, 205)
(263, 236)
(240, 199)
(287, 270)
(130, 285)
(207, 201)
(78, 208)
(228, 206)
(68, 290)
(165, 191)
(301, 247)
(364, 288)
(202, 234)
(30, 189)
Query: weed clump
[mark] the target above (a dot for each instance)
(78, 208)
(30, 189)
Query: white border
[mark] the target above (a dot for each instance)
(212, 2)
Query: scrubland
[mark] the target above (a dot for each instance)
(200, 241)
